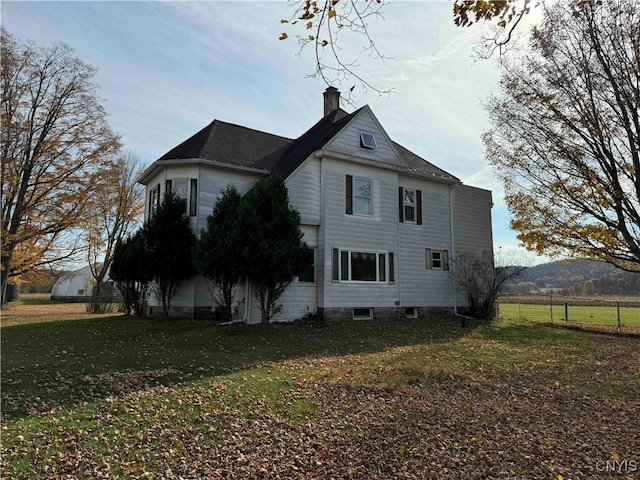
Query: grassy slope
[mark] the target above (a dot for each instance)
(129, 398)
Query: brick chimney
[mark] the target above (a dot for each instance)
(331, 100)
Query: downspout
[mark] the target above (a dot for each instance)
(453, 250)
(398, 279)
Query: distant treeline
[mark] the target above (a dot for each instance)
(39, 280)
(579, 277)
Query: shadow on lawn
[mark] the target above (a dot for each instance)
(62, 363)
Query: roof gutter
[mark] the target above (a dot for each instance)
(152, 170)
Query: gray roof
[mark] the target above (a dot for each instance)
(228, 143)
(419, 165)
(234, 145)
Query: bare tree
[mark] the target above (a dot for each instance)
(326, 25)
(482, 281)
(323, 23)
(115, 209)
(54, 142)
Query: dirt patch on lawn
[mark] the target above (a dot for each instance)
(606, 329)
(15, 314)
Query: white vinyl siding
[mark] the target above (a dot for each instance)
(349, 140)
(419, 286)
(472, 219)
(304, 191)
(358, 233)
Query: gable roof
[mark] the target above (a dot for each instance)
(235, 145)
(285, 160)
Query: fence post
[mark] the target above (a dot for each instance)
(551, 306)
(566, 311)
(618, 308)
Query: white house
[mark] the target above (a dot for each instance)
(383, 224)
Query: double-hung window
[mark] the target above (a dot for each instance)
(410, 205)
(437, 259)
(362, 266)
(154, 200)
(358, 196)
(188, 189)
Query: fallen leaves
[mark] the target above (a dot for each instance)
(477, 407)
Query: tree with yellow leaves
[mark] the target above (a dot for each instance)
(55, 143)
(565, 136)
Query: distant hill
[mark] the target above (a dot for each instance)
(578, 277)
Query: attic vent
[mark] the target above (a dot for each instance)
(367, 140)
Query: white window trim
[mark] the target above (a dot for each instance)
(364, 145)
(404, 205)
(444, 259)
(367, 282)
(371, 186)
(188, 199)
(154, 200)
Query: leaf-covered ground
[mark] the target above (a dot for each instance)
(410, 399)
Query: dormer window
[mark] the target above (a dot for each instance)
(367, 140)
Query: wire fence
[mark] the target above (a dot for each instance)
(622, 314)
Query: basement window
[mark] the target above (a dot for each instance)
(411, 312)
(367, 140)
(363, 313)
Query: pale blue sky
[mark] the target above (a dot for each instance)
(167, 69)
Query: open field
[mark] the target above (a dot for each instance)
(596, 315)
(120, 397)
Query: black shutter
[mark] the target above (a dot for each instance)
(335, 266)
(401, 204)
(193, 198)
(168, 186)
(419, 207)
(391, 270)
(349, 194)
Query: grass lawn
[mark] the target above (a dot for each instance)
(596, 315)
(118, 397)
